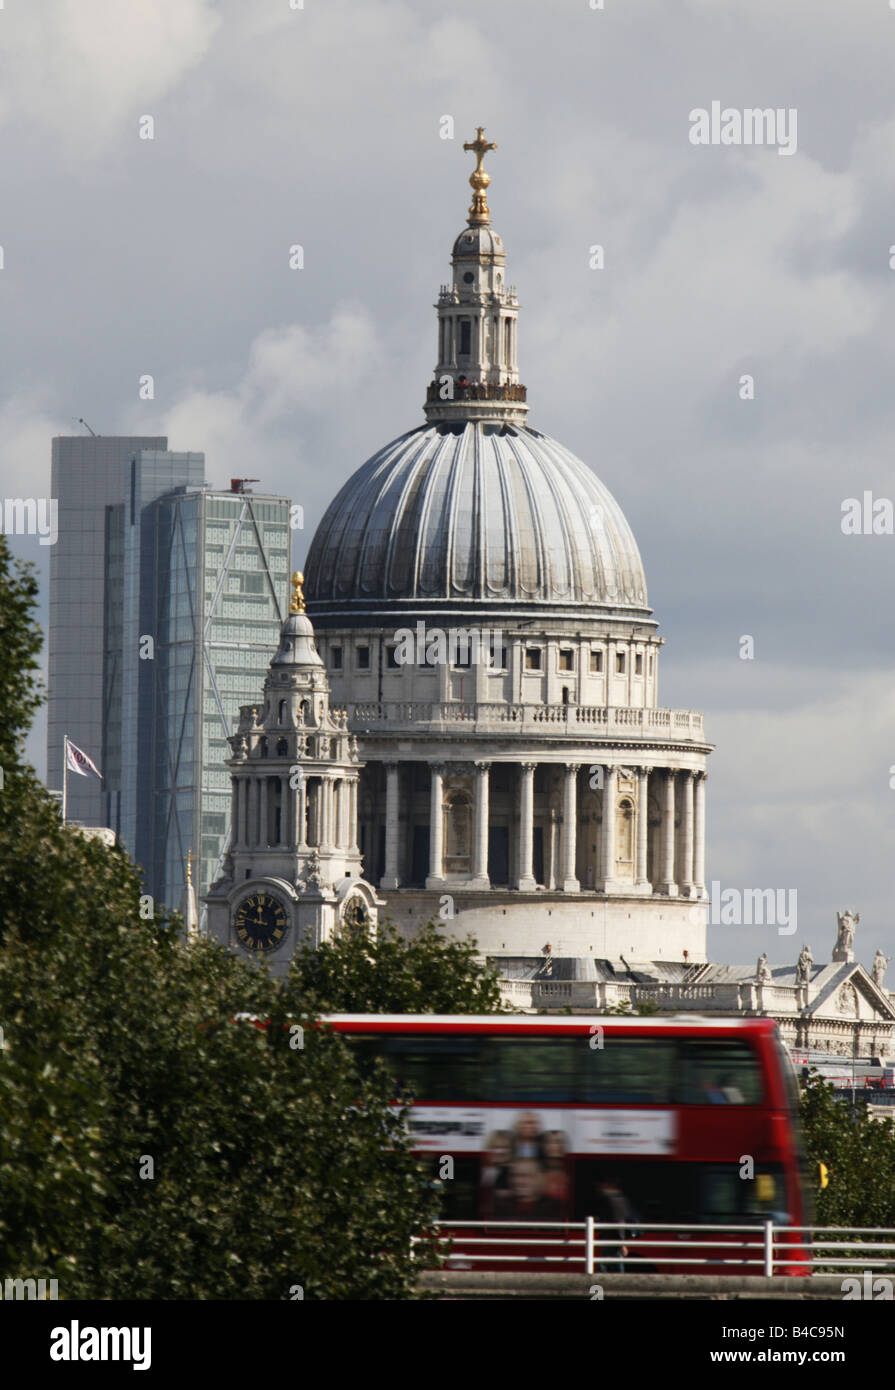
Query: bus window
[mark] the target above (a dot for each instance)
(719, 1072)
(628, 1071)
(531, 1070)
(663, 1192)
(432, 1068)
(725, 1194)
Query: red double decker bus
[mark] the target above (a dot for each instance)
(681, 1122)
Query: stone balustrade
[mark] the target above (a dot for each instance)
(435, 716)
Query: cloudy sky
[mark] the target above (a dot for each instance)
(320, 126)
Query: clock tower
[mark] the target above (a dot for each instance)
(292, 873)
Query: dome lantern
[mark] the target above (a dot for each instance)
(476, 375)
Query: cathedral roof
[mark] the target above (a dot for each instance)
(471, 511)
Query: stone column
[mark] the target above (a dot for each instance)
(234, 813)
(326, 812)
(301, 795)
(552, 849)
(667, 883)
(251, 811)
(480, 852)
(436, 827)
(525, 870)
(640, 878)
(390, 876)
(339, 812)
(685, 877)
(607, 866)
(570, 883)
(699, 837)
(262, 810)
(352, 838)
(285, 811)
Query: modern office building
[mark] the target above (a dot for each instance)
(130, 633)
(165, 603)
(215, 596)
(88, 475)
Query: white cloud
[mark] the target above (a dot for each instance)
(26, 431)
(83, 68)
(294, 376)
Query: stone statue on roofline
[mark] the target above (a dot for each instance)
(763, 970)
(878, 969)
(803, 966)
(847, 922)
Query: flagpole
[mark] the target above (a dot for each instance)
(64, 774)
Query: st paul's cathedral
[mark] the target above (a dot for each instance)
(461, 722)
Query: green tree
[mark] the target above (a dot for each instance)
(151, 1145)
(383, 973)
(859, 1153)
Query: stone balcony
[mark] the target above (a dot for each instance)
(527, 721)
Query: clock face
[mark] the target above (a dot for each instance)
(260, 922)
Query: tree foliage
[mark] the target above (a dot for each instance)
(382, 972)
(859, 1153)
(151, 1146)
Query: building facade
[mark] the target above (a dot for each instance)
(88, 474)
(166, 599)
(216, 593)
(292, 872)
(481, 606)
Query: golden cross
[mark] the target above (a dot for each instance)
(189, 865)
(480, 147)
(479, 211)
(298, 598)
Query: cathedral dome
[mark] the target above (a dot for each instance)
(475, 508)
(471, 512)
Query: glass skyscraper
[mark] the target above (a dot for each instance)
(165, 605)
(220, 572)
(89, 474)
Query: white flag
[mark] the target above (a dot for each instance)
(77, 761)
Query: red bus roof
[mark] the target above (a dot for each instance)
(677, 1024)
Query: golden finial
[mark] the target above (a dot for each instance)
(298, 598)
(189, 865)
(479, 212)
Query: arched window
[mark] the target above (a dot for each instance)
(281, 715)
(282, 748)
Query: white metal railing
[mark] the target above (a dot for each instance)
(607, 1246)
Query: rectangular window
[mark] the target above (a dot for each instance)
(363, 658)
(638, 665)
(566, 659)
(532, 658)
(620, 663)
(391, 658)
(335, 658)
(596, 662)
(465, 336)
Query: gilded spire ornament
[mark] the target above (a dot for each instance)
(298, 599)
(479, 212)
(189, 865)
